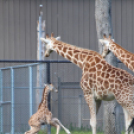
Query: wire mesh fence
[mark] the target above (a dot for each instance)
(18, 100)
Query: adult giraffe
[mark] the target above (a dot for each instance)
(123, 55)
(100, 81)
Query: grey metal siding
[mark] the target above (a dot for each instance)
(73, 20)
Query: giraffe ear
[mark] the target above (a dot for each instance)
(101, 41)
(44, 40)
(58, 38)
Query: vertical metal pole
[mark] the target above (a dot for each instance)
(40, 31)
(12, 105)
(49, 97)
(59, 100)
(30, 92)
(79, 111)
(1, 99)
(40, 47)
(48, 73)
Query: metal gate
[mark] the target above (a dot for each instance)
(18, 87)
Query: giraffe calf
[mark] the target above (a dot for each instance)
(43, 115)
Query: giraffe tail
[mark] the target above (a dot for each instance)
(131, 126)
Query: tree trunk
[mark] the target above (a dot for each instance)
(104, 26)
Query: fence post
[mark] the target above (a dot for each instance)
(79, 111)
(40, 31)
(12, 104)
(59, 100)
(49, 96)
(30, 92)
(1, 99)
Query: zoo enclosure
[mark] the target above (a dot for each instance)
(18, 86)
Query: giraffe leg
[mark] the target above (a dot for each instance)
(128, 121)
(33, 130)
(59, 123)
(53, 123)
(92, 107)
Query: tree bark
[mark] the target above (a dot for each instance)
(104, 26)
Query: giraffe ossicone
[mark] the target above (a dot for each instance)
(44, 115)
(100, 80)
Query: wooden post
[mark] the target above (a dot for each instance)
(104, 26)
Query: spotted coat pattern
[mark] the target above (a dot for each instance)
(100, 80)
(44, 115)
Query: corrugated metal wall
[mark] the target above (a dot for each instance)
(73, 20)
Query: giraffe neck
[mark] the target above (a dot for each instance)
(123, 55)
(75, 54)
(44, 101)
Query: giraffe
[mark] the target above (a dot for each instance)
(123, 55)
(43, 115)
(100, 80)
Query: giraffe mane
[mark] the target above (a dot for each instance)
(83, 50)
(66, 44)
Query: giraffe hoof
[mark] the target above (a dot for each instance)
(68, 132)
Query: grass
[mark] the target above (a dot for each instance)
(73, 131)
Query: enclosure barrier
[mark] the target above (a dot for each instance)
(20, 80)
(10, 85)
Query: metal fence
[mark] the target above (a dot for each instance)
(18, 86)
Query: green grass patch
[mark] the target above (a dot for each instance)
(72, 130)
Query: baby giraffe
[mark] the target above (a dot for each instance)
(43, 115)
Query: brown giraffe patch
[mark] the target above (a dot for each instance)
(99, 66)
(64, 49)
(97, 59)
(70, 53)
(76, 56)
(87, 65)
(106, 84)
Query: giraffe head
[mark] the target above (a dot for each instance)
(49, 43)
(50, 87)
(106, 42)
